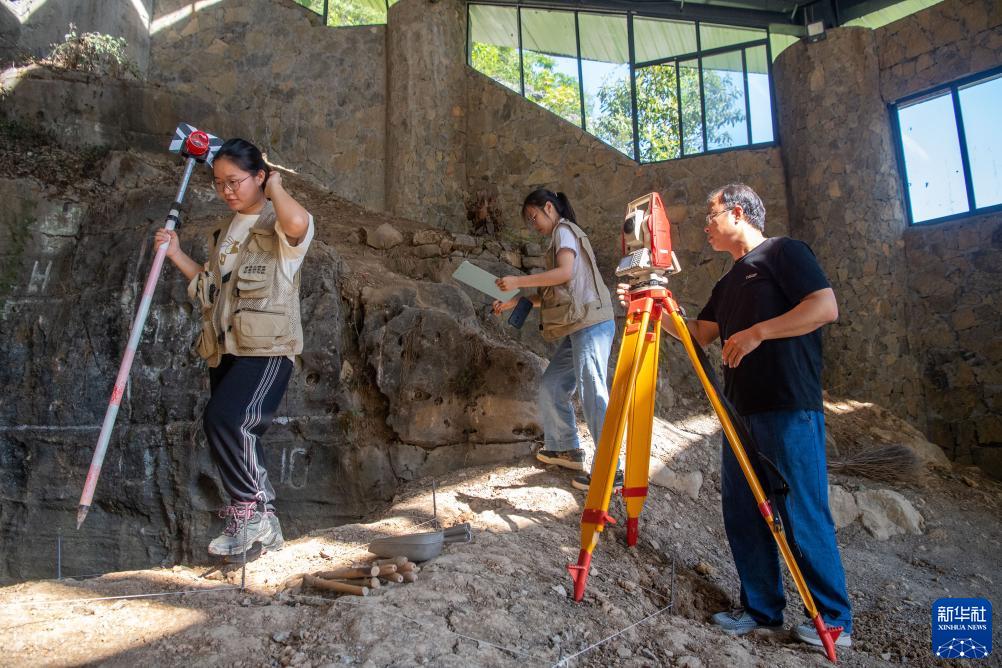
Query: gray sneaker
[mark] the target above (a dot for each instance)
(807, 633)
(569, 459)
(245, 526)
(738, 622)
(583, 482)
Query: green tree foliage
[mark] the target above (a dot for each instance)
(658, 112)
(544, 85)
(349, 12)
(609, 110)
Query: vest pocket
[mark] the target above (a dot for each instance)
(260, 329)
(252, 281)
(207, 344)
(561, 315)
(558, 307)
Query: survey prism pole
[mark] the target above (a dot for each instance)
(196, 146)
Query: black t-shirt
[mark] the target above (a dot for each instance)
(781, 374)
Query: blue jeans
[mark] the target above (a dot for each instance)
(795, 442)
(580, 363)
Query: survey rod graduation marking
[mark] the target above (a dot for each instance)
(196, 146)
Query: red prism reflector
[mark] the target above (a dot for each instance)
(197, 144)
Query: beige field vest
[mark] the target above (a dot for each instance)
(560, 313)
(258, 300)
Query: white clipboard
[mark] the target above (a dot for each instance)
(481, 280)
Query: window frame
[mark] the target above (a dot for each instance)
(953, 88)
(699, 54)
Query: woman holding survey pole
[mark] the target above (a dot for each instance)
(248, 294)
(576, 312)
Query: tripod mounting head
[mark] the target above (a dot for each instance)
(646, 244)
(193, 143)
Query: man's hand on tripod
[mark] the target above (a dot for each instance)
(740, 344)
(621, 294)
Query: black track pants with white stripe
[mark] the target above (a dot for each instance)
(246, 392)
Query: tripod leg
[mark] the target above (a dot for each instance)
(603, 469)
(638, 441)
(827, 635)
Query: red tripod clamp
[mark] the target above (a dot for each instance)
(597, 516)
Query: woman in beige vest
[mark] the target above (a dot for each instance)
(248, 294)
(576, 312)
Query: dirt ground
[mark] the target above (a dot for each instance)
(504, 599)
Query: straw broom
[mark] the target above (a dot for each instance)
(889, 463)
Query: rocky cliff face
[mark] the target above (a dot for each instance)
(401, 376)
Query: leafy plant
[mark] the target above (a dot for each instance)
(93, 52)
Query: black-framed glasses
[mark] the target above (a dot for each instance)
(232, 185)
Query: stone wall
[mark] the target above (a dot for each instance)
(845, 197)
(313, 97)
(516, 146)
(81, 110)
(955, 277)
(425, 171)
(944, 42)
(75, 260)
(403, 378)
(955, 268)
(30, 27)
(919, 305)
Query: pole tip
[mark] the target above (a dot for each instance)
(579, 573)
(828, 636)
(632, 530)
(81, 515)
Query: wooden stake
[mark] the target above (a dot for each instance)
(396, 561)
(348, 573)
(332, 585)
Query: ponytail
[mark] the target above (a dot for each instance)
(539, 198)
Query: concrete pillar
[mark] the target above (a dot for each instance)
(426, 111)
(846, 202)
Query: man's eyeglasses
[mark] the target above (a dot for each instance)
(714, 214)
(232, 185)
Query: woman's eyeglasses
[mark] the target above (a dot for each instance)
(232, 185)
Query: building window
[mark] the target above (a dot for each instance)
(950, 149)
(343, 13)
(653, 88)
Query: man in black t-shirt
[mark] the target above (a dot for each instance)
(768, 310)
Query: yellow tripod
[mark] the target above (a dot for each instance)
(631, 402)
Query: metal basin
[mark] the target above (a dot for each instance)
(414, 546)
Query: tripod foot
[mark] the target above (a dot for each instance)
(632, 530)
(579, 573)
(828, 635)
